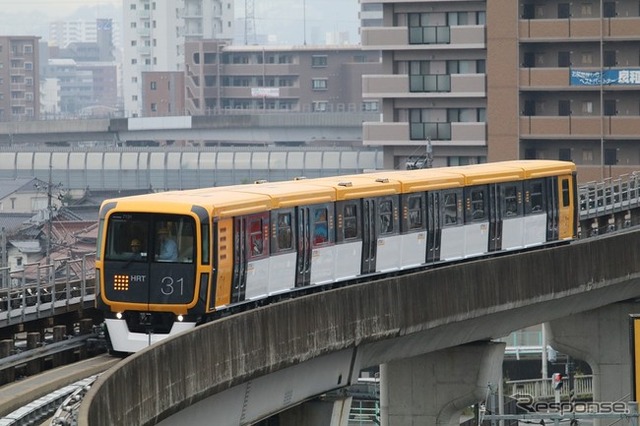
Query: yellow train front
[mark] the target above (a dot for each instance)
(169, 261)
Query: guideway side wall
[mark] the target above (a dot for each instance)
(372, 323)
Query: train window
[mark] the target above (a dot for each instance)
(565, 192)
(350, 215)
(283, 231)
(256, 239)
(174, 239)
(476, 204)
(321, 226)
(386, 217)
(450, 209)
(414, 210)
(510, 197)
(128, 237)
(535, 197)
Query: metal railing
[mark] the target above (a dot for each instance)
(609, 196)
(543, 388)
(38, 290)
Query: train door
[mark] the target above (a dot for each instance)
(434, 226)
(536, 220)
(369, 236)
(495, 218)
(553, 215)
(511, 215)
(453, 239)
(348, 239)
(476, 220)
(250, 257)
(567, 210)
(239, 259)
(303, 261)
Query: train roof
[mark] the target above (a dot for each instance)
(250, 198)
(348, 187)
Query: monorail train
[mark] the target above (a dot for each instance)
(169, 261)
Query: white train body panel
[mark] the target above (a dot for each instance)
(257, 279)
(476, 239)
(513, 233)
(282, 272)
(124, 340)
(348, 260)
(389, 253)
(452, 243)
(414, 249)
(322, 265)
(535, 229)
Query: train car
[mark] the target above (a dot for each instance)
(167, 262)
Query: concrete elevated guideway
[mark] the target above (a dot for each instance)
(233, 126)
(244, 368)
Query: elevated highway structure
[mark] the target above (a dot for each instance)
(235, 127)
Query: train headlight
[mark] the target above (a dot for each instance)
(119, 315)
(180, 318)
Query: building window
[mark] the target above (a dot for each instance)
(564, 11)
(320, 106)
(28, 66)
(421, 79)
(564, 107)
(318, 61)
(564, 59)
(134, 61)
(609, 59)
(154, 107)
(28, 48)
(609, 9)
(370, 106)
(564, 154)
(423, 127)
(319, 83)
(420, 32)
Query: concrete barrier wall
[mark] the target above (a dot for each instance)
(153, 384)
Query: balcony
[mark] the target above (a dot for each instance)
(381, 38)
(544, 78)
(580, 127)
(578, 29)
(397, 38)
(397, 86)
(398, 134)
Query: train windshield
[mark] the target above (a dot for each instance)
(141, 237)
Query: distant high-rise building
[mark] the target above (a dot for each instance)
(155, 35)
(19, 78)
(101, 31)
(299, 78)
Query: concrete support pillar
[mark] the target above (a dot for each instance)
(33, 342)
(318, 413)
(434, 388)
(601, 338)
(7, 347)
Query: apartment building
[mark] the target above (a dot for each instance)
(307, 78)
(19, 78)
(156, 32)
(476, 81)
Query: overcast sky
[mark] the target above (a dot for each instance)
(286, 19)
